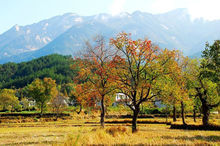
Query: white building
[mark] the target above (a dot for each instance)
(120, 97)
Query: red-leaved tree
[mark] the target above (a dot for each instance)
(96, 76)
(139, 65)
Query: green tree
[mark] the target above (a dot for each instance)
(42, 91)
(209, 79)
(206, 91)
(8, 100)
(210, 64)
(205, 80)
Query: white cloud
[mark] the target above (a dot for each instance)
(117, 6)
(161, 6)
(208, 9)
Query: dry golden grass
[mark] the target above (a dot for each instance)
(152, 134)
(76, 132)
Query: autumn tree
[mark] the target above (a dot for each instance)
(95, 77)
(181, 79)
(85, 99)
(171, 88)
(8, 100)
(169, 93)
(42, 91)
(139, 65)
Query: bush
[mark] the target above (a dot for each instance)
(114, 131)
(18, 108)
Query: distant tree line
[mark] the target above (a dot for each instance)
(18, 75)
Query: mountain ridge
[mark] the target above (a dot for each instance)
(65, 34)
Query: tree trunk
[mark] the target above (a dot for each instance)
(102, 112)
(174, 113)
(80, 109)
(194, 114)
(57, 112)
(182, 113)
(205, 112)
(166, 114)
(166, 118)
(142, 109)
(41, 109)
(134, 119)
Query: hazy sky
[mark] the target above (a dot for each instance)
(23, 12)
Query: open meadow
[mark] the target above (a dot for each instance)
(86, 130)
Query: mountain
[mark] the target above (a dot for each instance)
(66, 34)
(20, 39)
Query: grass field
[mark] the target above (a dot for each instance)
(76, 132)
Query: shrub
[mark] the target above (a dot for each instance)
(151, 111)
(114, 131)
(18, 108)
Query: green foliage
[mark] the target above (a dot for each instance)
(211, 62)
(209, 74)
(42, 91)
(204, 80)
(211, 94)
(210, 65)
(8, 100)
(55, 66)
(155, 110)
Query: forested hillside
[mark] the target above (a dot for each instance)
(56, 66)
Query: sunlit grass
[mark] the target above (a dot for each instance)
(150, 134)
(75, 131)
